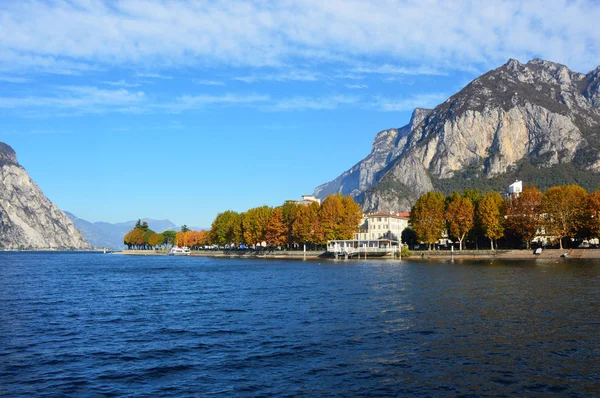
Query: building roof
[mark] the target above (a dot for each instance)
(403, 214)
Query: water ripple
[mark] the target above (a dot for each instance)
(89, 325)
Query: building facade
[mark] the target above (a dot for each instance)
(308, 199)
(382, 225)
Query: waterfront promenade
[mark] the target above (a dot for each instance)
(416, 255)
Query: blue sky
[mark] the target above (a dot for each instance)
(181, 109)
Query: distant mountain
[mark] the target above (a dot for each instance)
(28, 219)
(538, 122)
(103, 234)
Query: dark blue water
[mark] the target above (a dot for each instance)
(93, 324)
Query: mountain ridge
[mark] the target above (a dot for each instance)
(28, 219)
(539, 112)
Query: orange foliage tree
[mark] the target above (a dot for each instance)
(427, 217)
(491, 212)
(523, 213)
(593, 213)
(180, 239)
(564, 208)
(276, 231)
(307, 226)
(460, 214)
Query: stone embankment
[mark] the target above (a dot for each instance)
(508, 254)
(295, 254)
(416, 255)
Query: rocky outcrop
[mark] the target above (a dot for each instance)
(27, 218)
(538, 112)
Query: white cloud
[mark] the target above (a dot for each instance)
(152, 75)
(191, 102)
(73, 37)
(120, 83)
(78, 99)
(208, 82)
(14, 79)
(313, 103)
(388, 69)
(356, 86)
(301, 76)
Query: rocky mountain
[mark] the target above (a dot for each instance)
(110, 235)
(27, 218)
(539, 122)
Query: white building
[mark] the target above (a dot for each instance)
(308, 199)
(515, 188)
(382, 225)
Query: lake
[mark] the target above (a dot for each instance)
(93, 324)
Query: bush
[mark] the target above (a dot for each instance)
(405, 252)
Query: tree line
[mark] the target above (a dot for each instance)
(562, 212)
(141, 237)
(337, 217)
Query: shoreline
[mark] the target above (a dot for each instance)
(417, 255)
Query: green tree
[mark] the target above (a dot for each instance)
(460, 214)
(168, 237)
(427, 217)
(226, 228)
(491, 211)
(184, 228)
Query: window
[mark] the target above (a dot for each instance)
(379, 219)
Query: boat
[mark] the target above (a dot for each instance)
(179, 251)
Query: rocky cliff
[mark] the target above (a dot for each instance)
(27, 218)
(537, 121)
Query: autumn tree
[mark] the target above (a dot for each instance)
(276, 233)
(331, 214)
(460, 214)
(155, 240)
(127, 240)
(564, 209)
(289, 211)
(477, 229)
(523, 213)
(490, 213)
(204, 237)
(593, 213)
(180, 239)
(190, 239)
(427, 217)
(351, 217)
(137, 237)
(307, 226)
(255, 224)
